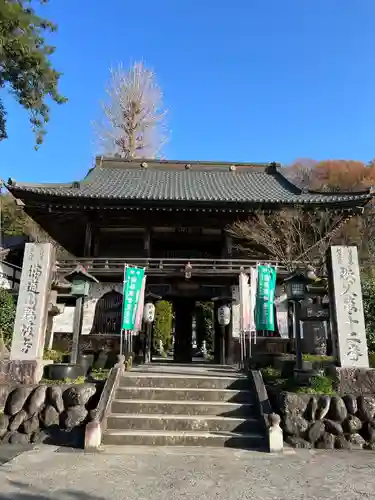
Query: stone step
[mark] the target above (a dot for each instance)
(167, 407)
(134, 379)
(172, 394)
(178, 438)
(180, 423)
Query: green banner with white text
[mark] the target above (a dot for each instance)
(133, 279)
(265, 299)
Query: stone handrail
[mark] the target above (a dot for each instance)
(270, 420)
(98, 424)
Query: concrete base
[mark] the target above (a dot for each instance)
(253, 441)
(21, 372)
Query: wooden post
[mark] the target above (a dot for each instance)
(297, 315)
(77, 325)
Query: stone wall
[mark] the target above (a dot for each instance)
(327, 422)
(356, 381)
(54, 414)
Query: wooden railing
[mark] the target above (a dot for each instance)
(162, 267)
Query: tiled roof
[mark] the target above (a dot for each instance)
(164, 181)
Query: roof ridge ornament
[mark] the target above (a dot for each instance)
(144, 164)
(272, 167)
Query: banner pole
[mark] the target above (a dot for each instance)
(121, 341)
(122, 313)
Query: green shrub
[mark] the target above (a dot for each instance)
(52, 355)
(65, 381)
(7, 316)
(100, 374)
(270, 373)
(318, 358)
(163, 324)
(321, 384)
(368, 293)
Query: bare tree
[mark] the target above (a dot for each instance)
(133, 123)
(301, 173)
(290, 236)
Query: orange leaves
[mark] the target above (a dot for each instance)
(332, 175)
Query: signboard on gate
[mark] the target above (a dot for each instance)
(133, 284)
(265, 298)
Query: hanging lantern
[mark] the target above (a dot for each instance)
(149, 312)
(223, 315)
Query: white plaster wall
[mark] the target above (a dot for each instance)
(281, 302)
(6, 273)
(63, 323)
(97, 290)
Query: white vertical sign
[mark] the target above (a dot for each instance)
(253, 298)
(31, 314)
(236, 312)
(351, 341)
(281, 303)
(245, 303)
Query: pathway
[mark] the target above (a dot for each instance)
(143, 473)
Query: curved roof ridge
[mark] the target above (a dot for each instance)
(14, 183)
(102, 159)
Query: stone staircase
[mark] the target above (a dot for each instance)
(184, 406)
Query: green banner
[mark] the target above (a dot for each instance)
(265, 299)
(133, 279)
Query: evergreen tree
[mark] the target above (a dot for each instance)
(163, 324)
(25, 66)
(7, 316)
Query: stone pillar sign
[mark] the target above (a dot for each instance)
(31, 315)
(349, 335)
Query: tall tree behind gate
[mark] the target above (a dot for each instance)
(133, 124)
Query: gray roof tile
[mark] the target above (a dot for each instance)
(171, 182)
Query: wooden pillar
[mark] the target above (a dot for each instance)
(88, 240)
(228, 245)
(228, 248)
(147, 243)
(95, 240)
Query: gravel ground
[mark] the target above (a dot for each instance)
(144, 473)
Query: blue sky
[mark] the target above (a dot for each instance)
(245, 80)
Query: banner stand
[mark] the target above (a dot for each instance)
(121, 341)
